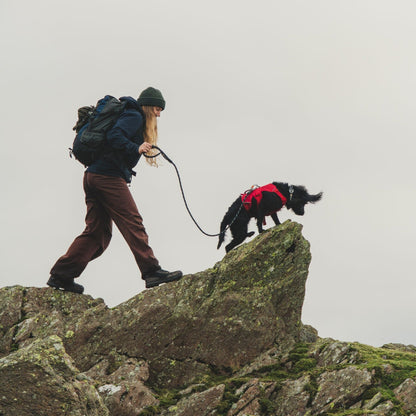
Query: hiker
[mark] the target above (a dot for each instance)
(108, 197)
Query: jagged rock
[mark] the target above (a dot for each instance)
(34, 313)
(233, 333)
(308, 334)
(124, 391)
(251, 393)
(342, 387)
(400, 347)
(201, 404)
(328, 352)
(293, 398)
(406, 393)
(371, 404)
(266, 359)
(222, 318)
(41, 379)
(10, 315)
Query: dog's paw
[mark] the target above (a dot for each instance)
(250, 234)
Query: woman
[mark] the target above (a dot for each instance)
(108, 198)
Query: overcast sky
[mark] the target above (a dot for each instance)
(316, 93)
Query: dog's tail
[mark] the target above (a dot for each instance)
(228, 217)
(315, 198)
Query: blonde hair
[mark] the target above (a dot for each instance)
(150, 132)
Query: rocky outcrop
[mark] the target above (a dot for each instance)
(225, 341)
(40, 378)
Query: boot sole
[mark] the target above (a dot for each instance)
(53, 285)
(172, 279)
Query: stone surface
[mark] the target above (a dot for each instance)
(225, 341)
(293, 397)
(40, 379)
(340, 388)
(201, 404)
(329, 352)
(250, 395)
(406, 393)
(222, 318)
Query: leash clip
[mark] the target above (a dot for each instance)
(291, 191)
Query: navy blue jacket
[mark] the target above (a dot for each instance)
(123, 140)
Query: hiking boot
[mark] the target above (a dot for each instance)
(160, 276)
(67, 285)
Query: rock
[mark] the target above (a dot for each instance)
(308, 334)
(293, 398)
(266, 359)
(228, 340)
(400, 347)
(222, 318)
(11, 299)
(125, 393)
(201, 404)
(251, 395)
(328, 352)
(371, 404)
(406, 393)
(39, 313)
(386, 408)
(41, 379)
(340, 388)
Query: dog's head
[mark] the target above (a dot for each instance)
(299, 197)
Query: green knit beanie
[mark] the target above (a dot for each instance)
(151, 96)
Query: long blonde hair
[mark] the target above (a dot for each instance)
(150, 132)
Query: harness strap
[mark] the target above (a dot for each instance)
(256, 193)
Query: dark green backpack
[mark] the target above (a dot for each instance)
(92, 127)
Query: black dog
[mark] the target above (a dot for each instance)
(259, 203)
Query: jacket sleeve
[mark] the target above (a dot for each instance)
(126, 127)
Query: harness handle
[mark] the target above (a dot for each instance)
(165, 156)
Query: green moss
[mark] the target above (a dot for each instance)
(229, 398)
(311, 388)
(390, 367)
(351, 412)
(169, 398)
(69, 334)
(267, 407)
(150, 411)
(304, 364)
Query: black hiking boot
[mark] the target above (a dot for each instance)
(67, 285)
(160, 276)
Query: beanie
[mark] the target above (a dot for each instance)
(153, 97)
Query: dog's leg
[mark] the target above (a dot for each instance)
(234, 243)
(260, 220)
(275, 218)
(260, 216)
(239, 231)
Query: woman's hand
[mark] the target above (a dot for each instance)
(145, 147)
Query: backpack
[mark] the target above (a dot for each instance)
(92, 127)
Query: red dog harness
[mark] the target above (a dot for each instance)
(257, 194)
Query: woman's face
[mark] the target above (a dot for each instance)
(156, 111)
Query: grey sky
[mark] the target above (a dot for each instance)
(318, 93)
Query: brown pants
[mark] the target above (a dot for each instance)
(108, 199)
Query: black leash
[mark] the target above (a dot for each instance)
(161, 152)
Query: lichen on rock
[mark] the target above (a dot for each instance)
(227, 341)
